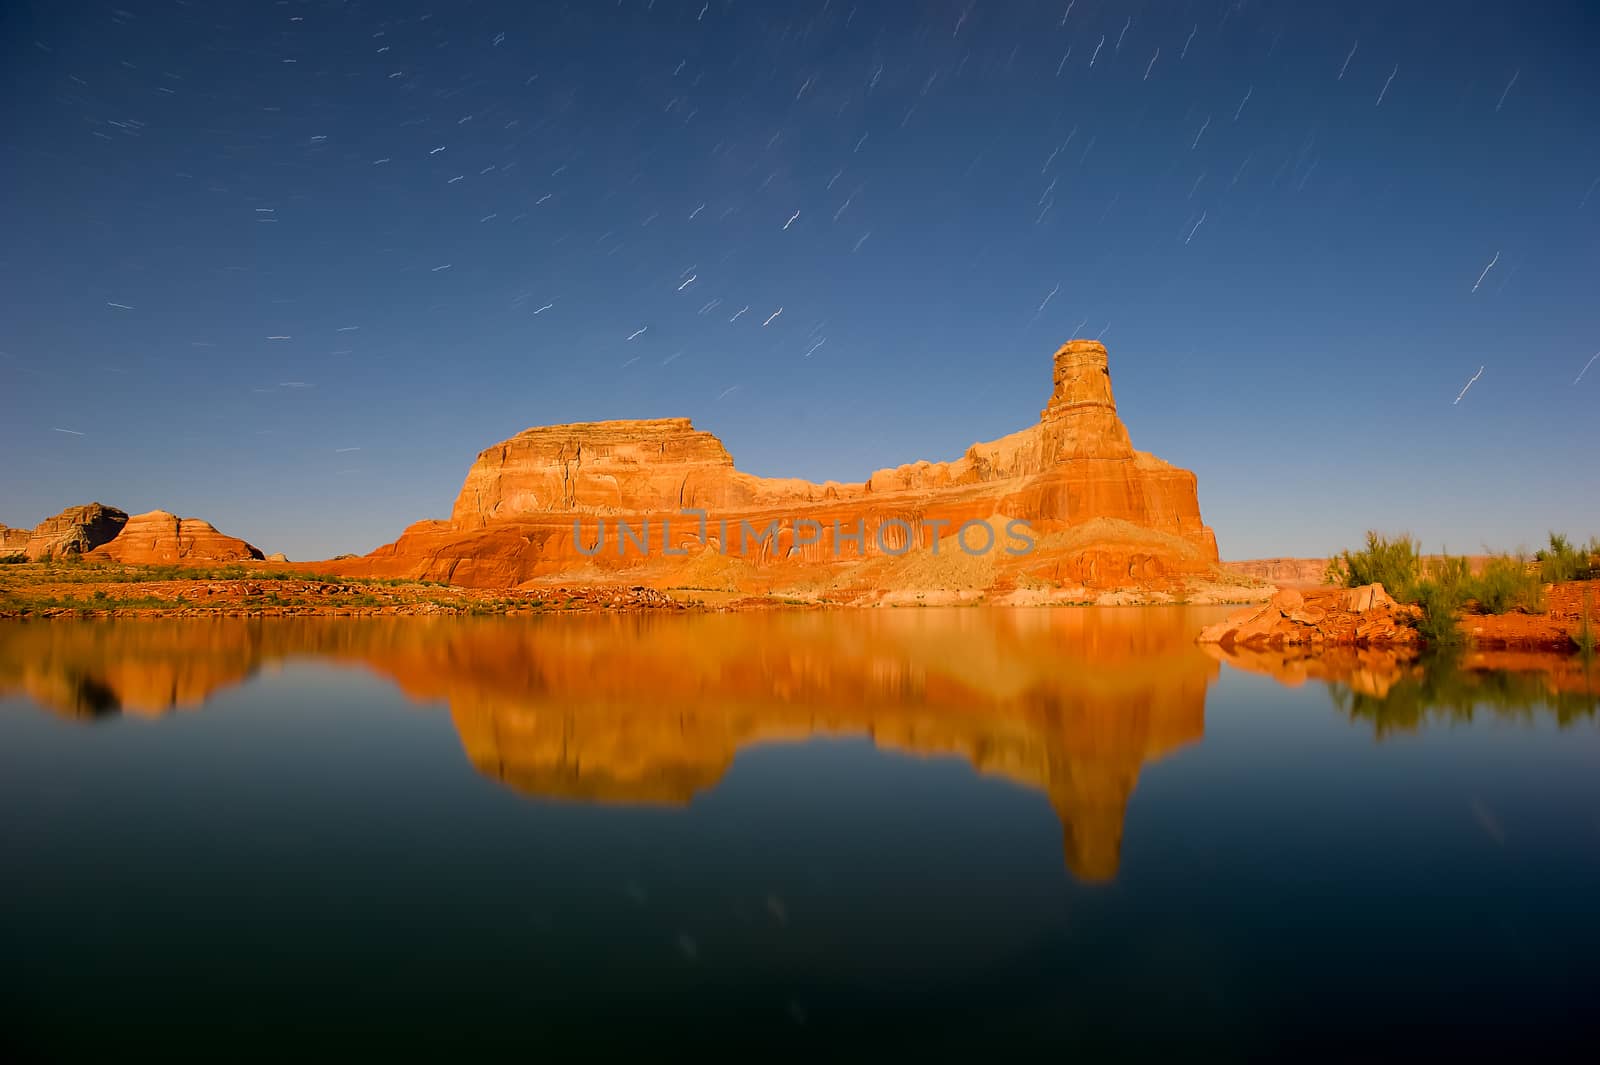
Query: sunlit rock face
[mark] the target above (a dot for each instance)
(634, 709)
(1101, 513)
(160, 538)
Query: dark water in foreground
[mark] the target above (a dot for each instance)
(824, 833)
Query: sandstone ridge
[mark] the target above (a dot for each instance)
(546, 504)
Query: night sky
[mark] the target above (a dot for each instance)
(289, 266)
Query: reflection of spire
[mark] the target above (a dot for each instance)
(1092, 809)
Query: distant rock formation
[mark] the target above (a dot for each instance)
(75, 531)
(14, 541)
(1103, 514)
(1305, 573)
(160, 538)
(1284, 572)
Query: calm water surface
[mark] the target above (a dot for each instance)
(848, 831)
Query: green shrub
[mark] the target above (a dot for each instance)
(1561, 561)
(1453, 574)
(1506, 584)
(16, 559)
(1394, 563)
(1439, 602)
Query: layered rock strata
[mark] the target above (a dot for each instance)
(160, 538)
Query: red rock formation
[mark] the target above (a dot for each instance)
(75, 531)
(161, 538)
(547, 502)
(1353, 617)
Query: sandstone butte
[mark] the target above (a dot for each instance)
(545, 505)
(160, 538)
(97, 531)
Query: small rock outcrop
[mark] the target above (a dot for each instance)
(75, 531)
(162, 538)
(1356, 617)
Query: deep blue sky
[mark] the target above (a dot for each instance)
(1282, 266)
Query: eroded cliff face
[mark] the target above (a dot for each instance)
(75, 531)
(548, 502)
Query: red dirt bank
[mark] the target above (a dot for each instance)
(1367, 617)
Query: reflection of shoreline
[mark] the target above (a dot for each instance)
(645, 709)
(1400, 692)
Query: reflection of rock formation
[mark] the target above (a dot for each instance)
(1399, 692)
(645, 709)
(147, 669)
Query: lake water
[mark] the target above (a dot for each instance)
(831, 832)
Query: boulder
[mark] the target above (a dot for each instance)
(277, 556)
(1367, 597)
(1288, 601)
(160, 538)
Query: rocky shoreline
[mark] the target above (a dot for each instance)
(1368, 617)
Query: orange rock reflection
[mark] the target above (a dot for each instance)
(654, 709)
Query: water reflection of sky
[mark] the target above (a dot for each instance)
(1070, 824)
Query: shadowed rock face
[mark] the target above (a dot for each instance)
(531, 505)
(634, 709)
(75, 531)
(160, 538)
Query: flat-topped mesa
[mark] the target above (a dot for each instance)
(644, 465)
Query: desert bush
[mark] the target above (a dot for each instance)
(1439, 602)
(1506, 584)
(1561, 561)
(16, 559)
(1452, 573)
(1393, 562)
